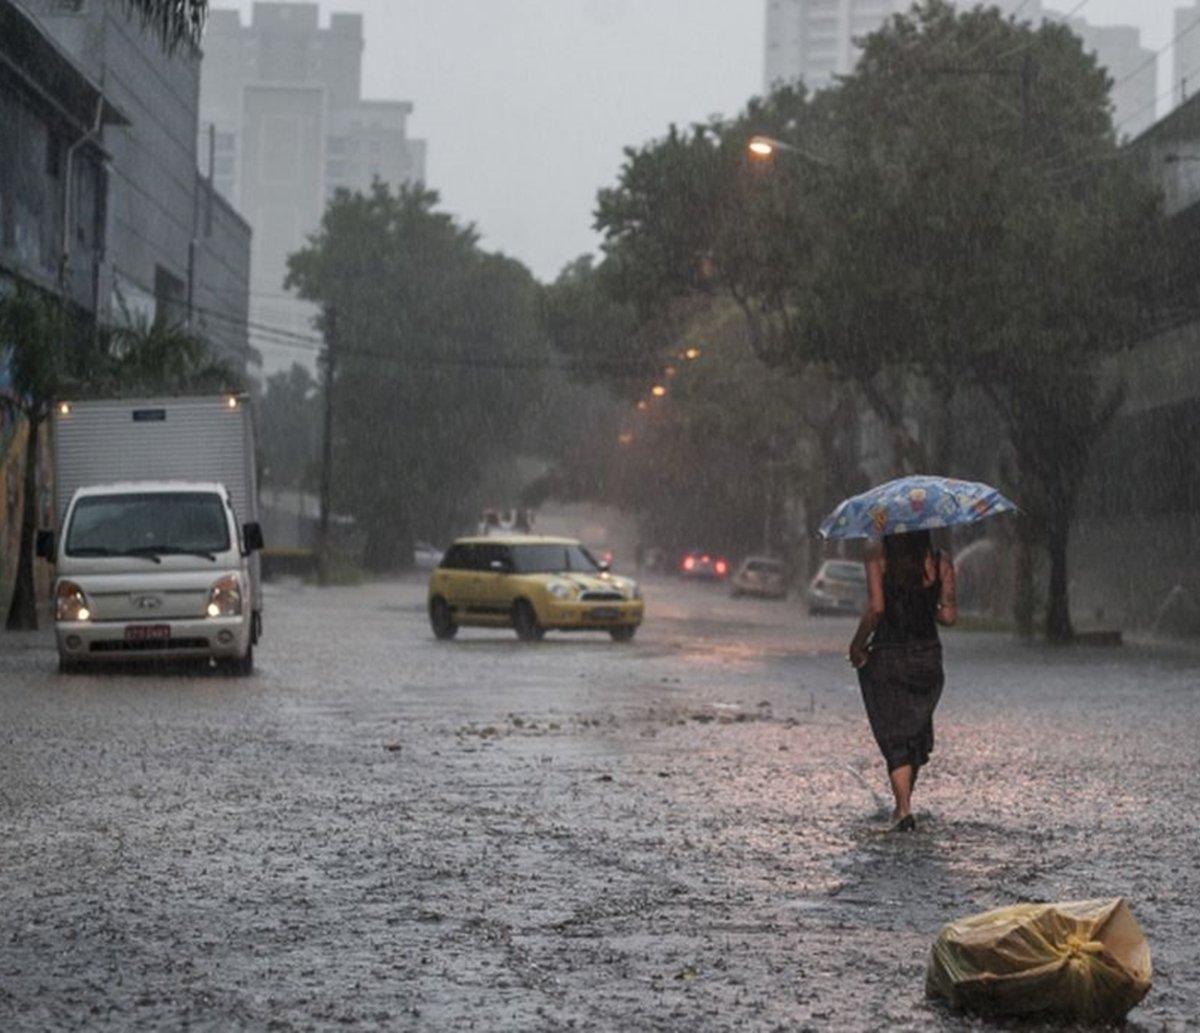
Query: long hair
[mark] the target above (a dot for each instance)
(904, 559)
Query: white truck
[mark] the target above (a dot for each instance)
(156, 541)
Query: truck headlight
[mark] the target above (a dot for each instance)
(225, 597)
(70, 604)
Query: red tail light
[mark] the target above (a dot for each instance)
(722, 567)
(689, 562)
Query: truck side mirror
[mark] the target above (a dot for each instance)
(252, 535)
(45, 545)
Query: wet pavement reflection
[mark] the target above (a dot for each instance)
(382, 831)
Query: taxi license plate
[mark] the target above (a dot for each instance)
(147, 632)
(606, 613)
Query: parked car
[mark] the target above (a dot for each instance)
(760, 575)
(426, 556)
(839, 586)
(699, 565)
(533, 584)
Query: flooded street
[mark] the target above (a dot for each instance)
(688, 832)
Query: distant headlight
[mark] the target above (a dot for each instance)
(561, 589)
(225, 597)
(70, 604)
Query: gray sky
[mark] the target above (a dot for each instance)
(526, 104)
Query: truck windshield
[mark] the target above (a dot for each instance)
(148, 524)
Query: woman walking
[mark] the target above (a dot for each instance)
(898, 655)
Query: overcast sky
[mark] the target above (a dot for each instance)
(526, 105)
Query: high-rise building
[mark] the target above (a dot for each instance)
(1185, 79)
(815, 40)
(284, 124)
(1132, 68)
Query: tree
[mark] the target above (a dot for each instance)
(439, 355)
(156, 356)
(986, 230)
(289, 428)
(177, 23)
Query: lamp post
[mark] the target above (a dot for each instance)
(764, 148)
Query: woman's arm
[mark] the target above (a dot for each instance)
(947, 609)
(857, 654)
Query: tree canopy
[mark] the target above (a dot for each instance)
(177, 23)
(955, 215)
(438, 354)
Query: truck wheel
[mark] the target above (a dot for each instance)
(525, 622)
(241, 666)
(440, 620)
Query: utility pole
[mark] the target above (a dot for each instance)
(328, 360)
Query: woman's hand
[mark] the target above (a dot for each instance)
(858, 657)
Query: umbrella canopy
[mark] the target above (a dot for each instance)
(916, 503)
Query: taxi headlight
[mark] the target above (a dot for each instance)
(225, 597)
(560, 590)
(70, 604)
(635, 590)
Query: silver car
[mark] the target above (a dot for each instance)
(839, 586)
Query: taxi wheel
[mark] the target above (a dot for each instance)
(525, 622)
(440, 620)
(622, 634)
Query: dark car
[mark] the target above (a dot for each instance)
(840, 586)
(699, 565)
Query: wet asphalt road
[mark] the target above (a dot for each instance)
(688, 832)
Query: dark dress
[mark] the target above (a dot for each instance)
(902, 680)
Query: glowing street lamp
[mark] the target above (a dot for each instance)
(658, 390)
(763, 148)
(691, 353)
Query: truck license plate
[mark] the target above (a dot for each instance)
(605, 613)
(147, 632)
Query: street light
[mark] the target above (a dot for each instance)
(763, 148)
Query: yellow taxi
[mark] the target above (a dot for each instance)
(533, 584)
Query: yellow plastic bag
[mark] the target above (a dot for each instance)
(1085, 960)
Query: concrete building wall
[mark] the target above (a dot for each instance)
(221, 299)
(154, 236)
(52, 182)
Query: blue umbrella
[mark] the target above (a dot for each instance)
(916, 503)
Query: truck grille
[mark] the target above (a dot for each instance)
(150, 646)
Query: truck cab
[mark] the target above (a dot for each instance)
(154, 570)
